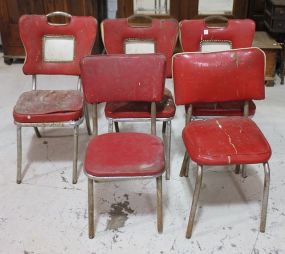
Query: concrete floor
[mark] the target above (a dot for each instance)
(47, 213)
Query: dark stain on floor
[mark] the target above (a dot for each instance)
(118, 215)
(63, 179)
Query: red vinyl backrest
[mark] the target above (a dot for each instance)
(35, 28)
(233, 75)
(240, 32)
(163, 32)
(120, 78)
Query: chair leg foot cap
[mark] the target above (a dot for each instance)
(262, 230)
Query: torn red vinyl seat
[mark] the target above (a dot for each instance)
(221, 141)
(43, 106)
(124, 155)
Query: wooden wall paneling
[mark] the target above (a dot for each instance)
(125, 8)
(78, 8)
(3, 15)
(11, 10)
(183, 9)
(240, 9)
(11, 41)
(56, 5)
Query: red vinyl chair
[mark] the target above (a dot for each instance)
(201, 36)
(53, 49)
(141, 34)
(197, 35)
(222, 76)
(124, 154)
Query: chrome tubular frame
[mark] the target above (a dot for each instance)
(265, 197)
(242, 168)
(91, 208)
(70, 124)
(19, 154)
(186, 160)
(194, 201)
(184, 172)
(87, 119)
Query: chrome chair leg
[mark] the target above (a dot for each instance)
(186, 172)
(159, 204)
(163, 127)
(75, 155)
(265, 197)
(90, 208)
(194, 201)
(168, 148)
(163, 131)
(243, 171)
(165, 144)
(37, 132)
(184, 164)
(117, 129)
(87, 119)
(19, 154)
(110, 125)
(237, 169)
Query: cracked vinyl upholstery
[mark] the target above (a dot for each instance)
(230, 140)
(234, 75)
(43, 106)
(124, 154)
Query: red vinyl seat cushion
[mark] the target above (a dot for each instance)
(124, 155)
(221, 141)
(165, 108)
(44, 106)
(222, 109)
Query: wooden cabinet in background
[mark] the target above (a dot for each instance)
(256, 13)
(11, 10)
(275, 25)
(271, 49)
(275, 16)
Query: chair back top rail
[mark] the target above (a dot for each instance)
(234, 75)
(162, 32)
(240, 32)
(56, 48)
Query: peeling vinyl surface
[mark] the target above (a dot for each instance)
(48, 214)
